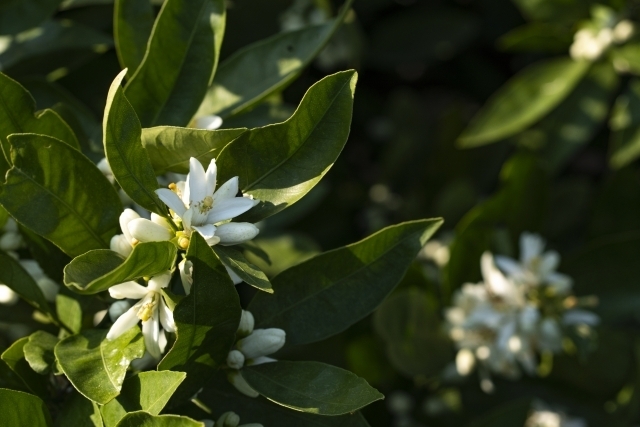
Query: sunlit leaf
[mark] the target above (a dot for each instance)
(38, 351)
(23, 409)
(132, 25)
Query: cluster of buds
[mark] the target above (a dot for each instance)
(543, 416)
(229, 419)
(252, 348)
(591, 41)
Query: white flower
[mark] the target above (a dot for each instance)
(7, 296)
(542, 416)
(11, 238)
(623, 31)
(262, 342)
(246, 324)
(136, 229)
(235, 359)
(211, 122)
(186, 275)
(199, 206)
(151, 309)
(590, 44)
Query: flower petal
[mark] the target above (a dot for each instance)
(207, 231)
(166, 318)
(125, 322)
(228, 209)
(121, 245)
(130, 290)
(531, 246)
(228, 190)
(211, 122)
(159, 281)
(549, 261)
(196, 188)
(212, 172)
(172, 200)
(145, 230)
(234, 277)
(233, 233)
(125, 217)
(509, 266)
(151, 333)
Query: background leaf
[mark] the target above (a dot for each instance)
(144, 419)
(132, 25)
(625, 126)
(14, 276)
(20, 15)
(23, 409)
(38, 352)
(248, 272)
(78, 411)
(14, 358)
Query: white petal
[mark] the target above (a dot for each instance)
(151, 333)
(494, 279)
(49, 288)
(228, 209)
(172, 200)
(125, 322)
(212, 172)
(166, 318)
(233, 233)
(211, 122)
(131, 290)
(160, 281)
(33, 268)
(186, 268)
(10, 241)
(578, 316)
(196, 188)
(160, 220)
(125, 218)
(510, 266)
(227, 190)
(531, 246)
(186, 219)
(260, 360)
(560, 282)
(241, 384)
(7, 296)
(234, 277)
(121, 245)
(207, 231)
(549, 261)
(162, 341)
(145, 230)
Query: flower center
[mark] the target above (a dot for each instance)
(146, 311)
(205, 205)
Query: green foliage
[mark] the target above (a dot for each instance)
(145, 419)
(20, 15)
(16, 278)
(38, 352)
(236, 261)
(23, 409)
(132, 26)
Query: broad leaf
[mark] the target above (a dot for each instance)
(20, 15)
(523, 100)
(23, 409)
(14, 358)
(145, 419)
(132, 25)
(98, 270)
(147, 391)
(312, 387)
(122, 144)
(253, 73)
(625, 126)
(279, 164)
(18, 279)
(169, 148)
(206, 320)
(179, 63)
(325, 295)
(96, 366)
(69, 310)
(38, 352)
(235, 260)
(48, 176)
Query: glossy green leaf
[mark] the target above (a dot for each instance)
(132, 25)
(38, 352)
(253, 73)
(145, 419)
(235, 260)
(206, 320)
(122, 144)
(273, 255)
(279, 164)
(625, 126)
(15, 277)
(523, 100)
(170, 148)
(312, 387)
(23, 409)
(82, 207)
(78, 411)
(147, 391)
(98, 270)
(328, 293)
(14, 358)
(69, 310)
(20, 15)
(96, 366)
(179, 63)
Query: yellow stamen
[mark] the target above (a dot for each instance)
(183, 242)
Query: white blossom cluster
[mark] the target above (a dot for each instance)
(543, 416)
(517, 311)
(591, 41)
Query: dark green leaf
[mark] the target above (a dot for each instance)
(145, 419)
(537, 37)
(180, 62)
(625, 126)
(132, 25)
(14, 276)
(23, 409)
(279, 164)
(273, 255)
(627, 57)
(78, 411)
(128, 159)
(170, 148)
(328, 293)
(263, 68)
(248, 272)
(206, 320)
(96, 366)
(81, 206)
(20, 15)
(98, 270)
(507, 415)
(14, 358)
(523, 100)
(38, 351)
(312, 387)
(552, 10)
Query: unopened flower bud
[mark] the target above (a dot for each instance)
(145, 230)
(7, 296)
(228, 419)
(121, 245)
(208, 423)
(259, 361)
(235, 359)
(211, 122)
(623, 31)
(246, 324)
(117, 309)
(160, 220)
(105, 168)
(262, 342)
(183, 242)
(233, 233)
(10, 241)
(240, 384)
(465, 362)
(234, 277)
(186, 277)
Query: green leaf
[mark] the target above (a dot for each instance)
(78, 411)
(233, 259)
(15, 277)
(38, 351)
(98, 270)
(273, 255)
(169, 148)
(147, 391)
(69, 310)
(552, 10)
(145, 419)
(279, 164)
(627, 57)
(96, 366)
(507, 415)
(14, 358)
(328, 293)
(312, 387)
(625, 126)
(132, 25)
(48, 176)
(122, 144)
(537, 37)
(23, 409)
(523, 100)
(255, 72)
(207, 320)
(20, 15)
(179, 63)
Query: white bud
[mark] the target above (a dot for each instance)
(117, 309)
(10, 226)
(235, 359)
(186, 269)
(241, 385)
(125, 218)
(145, 230)
(7, 296)
(208, 122)
(10, 241)
(233, 233)
(465, 362)
(98, 317)
(33, 268)
(228, 419)
(262, 342)
(259, 361)
(160, 220)
(121, 245)
(234, 277)
(105, 168)
(208, 423)
(48, 287)
(623, 31)
(246, 323)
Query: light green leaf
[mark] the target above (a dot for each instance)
(48, 176)
(233, 259)
(78, 411)
(207, 320)
(20, 15)
(145, 419)
(23, 409)
(179, 63)
(14, 358)
(169, 148)
(523, 100)
(627, 57)
(279, 164)
(625, 126)
(15, 277)
(69, 310)
(98, 270)
(253, 73)
(96, 366)
(147, 391)
(38, 351)
(312, 387)
(132, 25)
(348, 282)
(122, 144)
